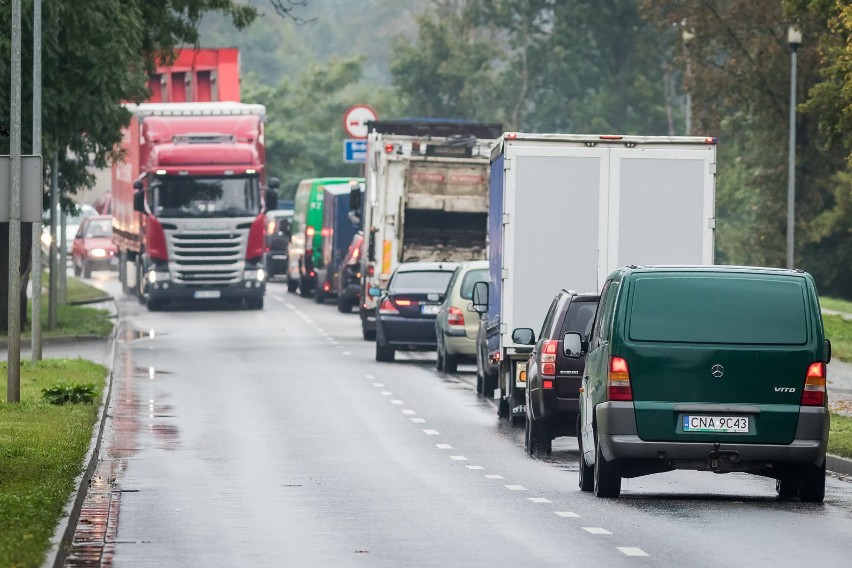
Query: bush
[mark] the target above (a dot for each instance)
(70, 392)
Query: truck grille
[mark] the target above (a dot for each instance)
(205, 258)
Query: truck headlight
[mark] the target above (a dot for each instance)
(258, 274)
(156, 276)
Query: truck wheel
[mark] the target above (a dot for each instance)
(153, 304)
(812, 484)
(292, 285)
(254, 303)
(384, 354)
(607, 475)
(586, 473)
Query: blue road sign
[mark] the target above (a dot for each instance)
(354, 151)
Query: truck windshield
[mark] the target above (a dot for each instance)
(173, 196)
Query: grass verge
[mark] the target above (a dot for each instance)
(76, 291)
(840, 436)
(839, 331)
(41, 452)
(836, 304)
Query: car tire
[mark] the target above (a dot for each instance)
(304, 290)
(538, 438)
(440, 360)
(77, 270)
(384, 354)
(812, 484)
(607, 475)
(368, 334)
(86, 269)
(451, 362)
(319, 296)
(585, 474)
(292, 285)
(786, 487)
(343, 306)
(502, 407)
(480, 383)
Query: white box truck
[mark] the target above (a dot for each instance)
(566, 210)
(426, 198)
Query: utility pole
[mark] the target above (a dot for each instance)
(36, 269)
(13, 384)
(54, 209)
(794, 38)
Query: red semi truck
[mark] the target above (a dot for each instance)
(188, 205)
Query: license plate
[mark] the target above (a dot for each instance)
(279, 256)
(521, 374)
(206, 294)
(698, 423)
(430, 309)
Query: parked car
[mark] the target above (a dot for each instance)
(457, 324)
(406, 311)
(706, 368)
(555, 370)
(349, 281)
(92, 247)
(278, 222)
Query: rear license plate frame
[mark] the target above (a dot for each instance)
(714, 424)
(207, 294)
(430, 309)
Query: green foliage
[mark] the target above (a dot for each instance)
(41, 452)
(68, 392)
(839, 332)
(840, 436)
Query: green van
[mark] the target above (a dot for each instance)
(305, 248)
(705, 368)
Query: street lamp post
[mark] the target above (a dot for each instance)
(794, 38)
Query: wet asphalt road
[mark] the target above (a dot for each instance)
(273, 438)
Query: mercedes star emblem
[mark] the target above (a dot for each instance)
(717, 371)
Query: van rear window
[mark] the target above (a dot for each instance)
(697, 309)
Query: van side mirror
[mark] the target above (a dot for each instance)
(138, 199)
(523, 336)
(374, 292)
(480, 297)
(827, 351)
(572, 345)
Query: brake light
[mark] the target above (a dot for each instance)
(455, 316)
(256, 239)
(326, 232)
(548, 357)
(547, 384)
(155, 239)
(387, 308)
(814, 391)
(309, 232)
(619, 380)
(326, 286)
(270, 228)
(404, 303)
(389, 148)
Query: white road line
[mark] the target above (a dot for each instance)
(458, 458)
(277, 297)
(515, 487)
(378, 384)
(443, 446)
(431, 432)
(539, 500)
(387, 393)
(474, 467)
(567, 514)
(494, 476)
(397, 401)
(596, 530)
(632, 551)
(346, 353)
(330, 339)
(371, 377)
(408, 412)
(419, 420)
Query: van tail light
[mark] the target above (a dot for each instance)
(814, 392)
(619, 380)
(256, 238)
(455, 316)
(155, 239)
(387, 308)
(548, 357)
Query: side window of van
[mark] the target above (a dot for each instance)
(596, 326)
(608, 307)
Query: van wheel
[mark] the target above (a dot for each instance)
(786, 487)
(586, 473)
(812, 484)
(607, 475)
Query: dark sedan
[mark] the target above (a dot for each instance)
(406, 312)
(555, 370)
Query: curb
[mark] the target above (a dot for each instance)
(838, 464)
(63, 535)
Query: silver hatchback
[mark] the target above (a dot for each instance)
(457, 324)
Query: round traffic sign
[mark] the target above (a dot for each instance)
(355, 120)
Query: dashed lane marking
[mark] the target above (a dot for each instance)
(474, 467)
(397, 401)
(346, 353)
(458, 458)
(378, 384)
(568, 514)
(387, 393)
(539, 500)
(515, 487)
(632, 551)
(408, 412)
(443, 446)
(419, 420)
(371, 377)
(596, 530)
(494, 476)
(429, 432)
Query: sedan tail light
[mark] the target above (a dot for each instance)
(387, 308)
(455, 316)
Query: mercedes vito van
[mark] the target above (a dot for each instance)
(706, 368)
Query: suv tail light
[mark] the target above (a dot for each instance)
(619, 380)
(155, 239)
(387, 308)
(548, 357)
(455, 316)
(814, 391)
(256, 238)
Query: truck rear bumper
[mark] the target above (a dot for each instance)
(174, 291)
(616, 430)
